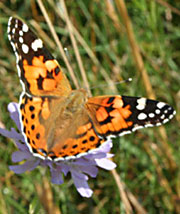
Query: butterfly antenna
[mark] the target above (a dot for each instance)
(114, 83)
(67, 53)
(69, 59)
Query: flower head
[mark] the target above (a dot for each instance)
(79, 168)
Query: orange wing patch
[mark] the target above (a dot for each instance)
(80, 144)
(44, 77)
(111, 116)
(39, 72)
(34, 131)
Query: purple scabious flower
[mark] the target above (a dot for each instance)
(79, 168)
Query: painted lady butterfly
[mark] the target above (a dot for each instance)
(59, 123)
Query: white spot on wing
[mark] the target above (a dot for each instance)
(151, 115)
(162, 116)
(110, 137)
(165, 120)
(9, 22)
(142, 116)
(9, 37)
(37, 44)
(25, 27)
(8, 29)
(125, 132)
(13, 31)
(21, 33)
(13, 46)
(25, 48)
(81, 154)
(21, 40)
(171, 116)
(23, 86)
(141, 103)
(157, 111)
(17, 57)
(58, 159)
(148, 125)
(70, 157)
(19, 73)
(136, 128)
(160, 105)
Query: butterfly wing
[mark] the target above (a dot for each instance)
(52, 131)
(56, 122)
(119, 115)
(77, 137)
(59, 133)
(105, 117)
(39, 72)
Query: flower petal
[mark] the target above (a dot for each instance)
(11, 134)
(95, 154)
(83, 162)
(106, 147)
(81, 185)
(27, 166)
(20, 155)
(65, 167)
(14, 113)
(90, 170)
(105, 164)
(77, 174)
(56, 176)
(21, 146)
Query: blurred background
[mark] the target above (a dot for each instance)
(116, 40)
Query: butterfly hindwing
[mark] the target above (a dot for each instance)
(52, 131)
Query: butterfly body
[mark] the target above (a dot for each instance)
(59, 123)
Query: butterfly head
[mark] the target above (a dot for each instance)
(78, 98)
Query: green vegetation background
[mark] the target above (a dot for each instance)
(147, 163)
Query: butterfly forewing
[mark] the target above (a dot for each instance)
(39, 72)
(119, 115)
